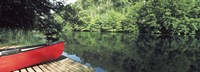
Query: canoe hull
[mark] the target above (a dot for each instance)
(29, 58)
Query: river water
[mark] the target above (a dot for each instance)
(125, 52)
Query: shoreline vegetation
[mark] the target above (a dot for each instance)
(10, 37)
(27, 22)
(178, 17)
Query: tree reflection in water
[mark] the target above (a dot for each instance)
(120, 52)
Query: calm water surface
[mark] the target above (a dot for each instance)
(121, 52)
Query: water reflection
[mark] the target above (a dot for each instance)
(19, 37)
(120, 52)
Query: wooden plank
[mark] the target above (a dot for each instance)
(64, 65)
(63, 60)
(49, 68)
(23, 70)
(59, 66)
(43, 68)
(37, 69)
(53, 67)
(78, 66)
(73, 66)
(30, 69)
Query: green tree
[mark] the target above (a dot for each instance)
(167, 17)
(101, 15)
(27, 14)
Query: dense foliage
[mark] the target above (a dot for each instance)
(103, 15)
(27, 14)
(170, 17)
(152, 16)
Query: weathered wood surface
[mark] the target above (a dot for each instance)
(62, 64)
(59, 65)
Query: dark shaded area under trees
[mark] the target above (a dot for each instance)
(28, 15)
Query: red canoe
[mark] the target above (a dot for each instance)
(28, 56)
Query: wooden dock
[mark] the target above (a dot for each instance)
(62, 64)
